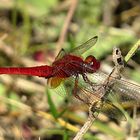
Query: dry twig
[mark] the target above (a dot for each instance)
(66, 25)
(87, 125)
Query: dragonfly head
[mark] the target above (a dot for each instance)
(92, 64)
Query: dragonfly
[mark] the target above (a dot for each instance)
(67, 66)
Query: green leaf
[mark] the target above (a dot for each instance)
(65, 135)
(51, 104)
(132, 51)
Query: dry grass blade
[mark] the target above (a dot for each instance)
(42, 114)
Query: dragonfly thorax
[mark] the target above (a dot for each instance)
(91, 64)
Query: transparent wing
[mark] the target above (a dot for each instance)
(125, 90)
(85, 46)
(90, 96)
(128, 91)
(112, 111)
(60, 54)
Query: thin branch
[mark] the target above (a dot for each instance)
(65, 27)
(87, 124)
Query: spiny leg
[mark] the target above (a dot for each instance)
(75, 89)
(89, 82)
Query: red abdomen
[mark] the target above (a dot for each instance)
(41, 71)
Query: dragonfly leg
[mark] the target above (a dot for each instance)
(75, 90)
(89, 82)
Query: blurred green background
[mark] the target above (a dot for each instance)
(32, 32)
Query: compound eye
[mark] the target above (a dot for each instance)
(92, 62)
(90, 59)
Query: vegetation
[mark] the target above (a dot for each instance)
(32, 33)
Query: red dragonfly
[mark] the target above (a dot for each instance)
(64, 66)
(69, 65)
